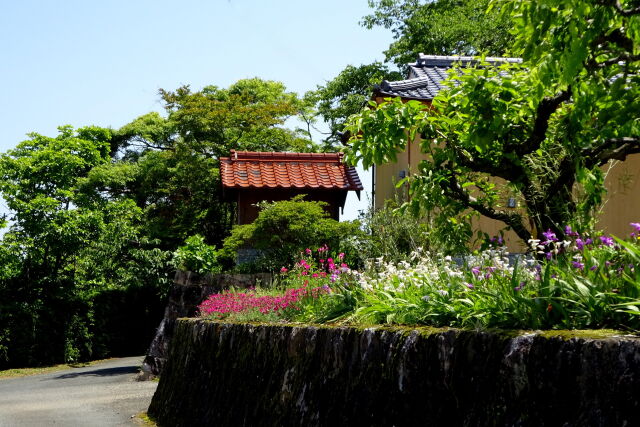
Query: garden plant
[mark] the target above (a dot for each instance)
(585, 281)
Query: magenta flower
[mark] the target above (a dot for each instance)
(469, 285)
(308, 251)
(341, 255)
(283, 270)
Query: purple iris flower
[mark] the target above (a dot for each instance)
(606, 240)
(550, 236)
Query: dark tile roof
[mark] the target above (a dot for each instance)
(246, 169)
(427, 74)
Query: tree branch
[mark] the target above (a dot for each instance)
(626, 12)
(612, 149)
(545, 109)
(593, 64)
(620, 9)
(505, 170)
(455, 191)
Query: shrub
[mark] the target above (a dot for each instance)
(197, 256)
(393, 235)
(284, 229)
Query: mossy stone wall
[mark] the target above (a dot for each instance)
(280, 375)
(189, 290)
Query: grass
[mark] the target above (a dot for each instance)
(26, 372)
(143, 419)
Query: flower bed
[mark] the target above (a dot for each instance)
(582, 282)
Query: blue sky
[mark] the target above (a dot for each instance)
(83, 63)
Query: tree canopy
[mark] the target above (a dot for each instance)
(440, 27)
(169, 165)
(96, 214)
(543, 126)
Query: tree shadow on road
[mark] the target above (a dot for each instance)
(106, 372)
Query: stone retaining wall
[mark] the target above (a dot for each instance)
(278, 375)
(187, 293)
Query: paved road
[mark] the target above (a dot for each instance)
(105, 394)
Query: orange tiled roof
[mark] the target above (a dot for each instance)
(247, 169)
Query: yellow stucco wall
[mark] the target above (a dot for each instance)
(622, 201)
(622, 204)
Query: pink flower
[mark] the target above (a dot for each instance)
(283, 270)
(341, 254)
(308, 251)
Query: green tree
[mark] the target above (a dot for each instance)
(345, 95)
(170, 165)
(62, 252)
(543, 126)
(440, 27)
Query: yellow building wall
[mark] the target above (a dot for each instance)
(622, 200)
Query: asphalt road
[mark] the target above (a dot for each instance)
(105, 394)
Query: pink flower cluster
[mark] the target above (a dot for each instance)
(239, 302)
(325, 267)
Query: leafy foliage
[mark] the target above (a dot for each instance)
(581, 285)
(97, 213)
(63, 253)
(346, 94)
(197, 256)
(284, 229)
(540, 128)
(441, 27)
(394, 236)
